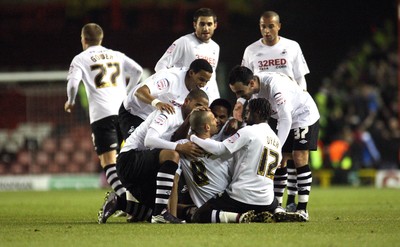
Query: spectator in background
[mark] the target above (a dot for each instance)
(198, 44)
(362, 112)
(104, 73)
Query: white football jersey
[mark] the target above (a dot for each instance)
(256, 154)
(205, 177)
(292, 106)
(166, 85)
(164, 123)
(185, 50)
(103, 72)
(285, 57)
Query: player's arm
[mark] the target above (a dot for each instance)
(209, 145)
(189, 149)
(74, 78)
(171, 56)
(284, 118)
(134, 71)
(301, 81)
(143, 93)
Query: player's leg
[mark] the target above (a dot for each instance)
(280, 181)
(168, 161)
(106, 141)
(291, 186)
(136, 170)
(224, 209)
(127, 122)
(306, 140)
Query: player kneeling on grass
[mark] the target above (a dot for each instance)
(256, 152)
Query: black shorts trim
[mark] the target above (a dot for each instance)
(106, 134)
(127, 122)
(302, 138)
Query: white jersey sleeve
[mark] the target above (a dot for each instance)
(166, 85)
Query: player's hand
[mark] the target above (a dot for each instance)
(238, 111)
(232, 126)
(68, 107)
(165, 107)
(190, 150)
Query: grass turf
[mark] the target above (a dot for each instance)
(339, 216)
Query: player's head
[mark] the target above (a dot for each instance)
(92, 34)
(204, 24)
(269, 27)
(222, 109)
(199, 73)
(196, 98)
(241, 81)
(257, 111)
(203, 123)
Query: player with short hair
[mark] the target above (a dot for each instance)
(163, 90)
(274, 53)
(198, 44)
(297, 116)
(103, 72)
(205, 176)
(148, 161)
(256, 152)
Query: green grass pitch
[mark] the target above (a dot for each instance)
(339, 216)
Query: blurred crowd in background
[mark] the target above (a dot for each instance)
(354, 81)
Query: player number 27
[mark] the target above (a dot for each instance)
(107, 75)
(268, 163)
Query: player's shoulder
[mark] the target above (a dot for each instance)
(288, 42)
(255, 46)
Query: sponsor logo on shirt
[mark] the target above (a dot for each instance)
(278, 63)
(210, 60)
(162, 84)
(234, 138)
(161, 119)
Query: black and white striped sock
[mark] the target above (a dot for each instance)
(165, 181)
(292, 182)
(280, 182)
(304, 180)
(113, 180)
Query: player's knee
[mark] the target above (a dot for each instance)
(169, 155)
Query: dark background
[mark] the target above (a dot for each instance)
(45, 35)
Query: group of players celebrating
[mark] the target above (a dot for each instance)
(173, 151)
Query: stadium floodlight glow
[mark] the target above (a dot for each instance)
(56, 75)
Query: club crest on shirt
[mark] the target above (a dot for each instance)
(234, 138)
(171, 48)
(161, 119)
(279, 98)
(162, 84)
